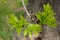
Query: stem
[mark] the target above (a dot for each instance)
(25, 8)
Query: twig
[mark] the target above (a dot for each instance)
(25, 8)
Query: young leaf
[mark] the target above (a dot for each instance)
(34, 28)
(22, 21)
(30, 34)
(47, 16)
(25, 32)
(13, 20)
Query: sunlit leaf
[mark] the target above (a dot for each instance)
(25, 32)
(47, 16)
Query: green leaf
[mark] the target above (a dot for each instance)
(13, 20)
(34, 28)
(17, 24)
(18, 30)
(47, 16)
(25, 32)
(52, 22)
(30, 34)
(22, 21)
(38, 15)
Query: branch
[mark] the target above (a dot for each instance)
(25, 8)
